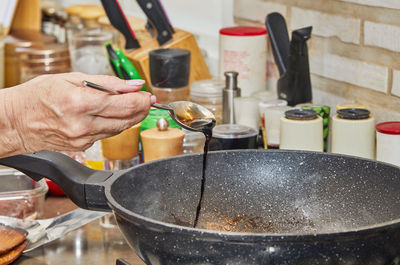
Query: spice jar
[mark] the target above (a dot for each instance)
(353, 133)
(388, 142)
(301, 130)
(169, 74)
(208, 93)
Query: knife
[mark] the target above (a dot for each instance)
(165, 17)
(118, 20)
(158, 20)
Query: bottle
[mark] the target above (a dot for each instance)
(230, 91)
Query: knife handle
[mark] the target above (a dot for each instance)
(156, 17)
(118, 20)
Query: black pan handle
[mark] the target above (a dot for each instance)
(83, 185)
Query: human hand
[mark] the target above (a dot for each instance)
(56, 112)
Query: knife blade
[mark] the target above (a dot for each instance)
(118, 20)
(157, 18)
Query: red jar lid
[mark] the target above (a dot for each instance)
(390, 127)
(243, 31)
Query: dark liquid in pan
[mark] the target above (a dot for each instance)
(206, 126)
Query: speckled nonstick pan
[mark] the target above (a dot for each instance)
(310, 208)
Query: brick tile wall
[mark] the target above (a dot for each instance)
(354, 51)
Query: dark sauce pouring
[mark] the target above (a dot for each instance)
(206, 126)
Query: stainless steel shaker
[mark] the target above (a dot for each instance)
(230, 91)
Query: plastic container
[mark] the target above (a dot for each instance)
(388, 142)
(20, 196)
(208, 93)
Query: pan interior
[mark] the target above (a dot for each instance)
(280, 192)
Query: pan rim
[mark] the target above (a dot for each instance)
(367, 231)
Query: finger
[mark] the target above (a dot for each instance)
(125, 106)
(117, 84)
(108, 81)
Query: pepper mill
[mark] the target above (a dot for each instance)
(230, 92)
(161, 142)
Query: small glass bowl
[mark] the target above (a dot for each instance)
(20, 196)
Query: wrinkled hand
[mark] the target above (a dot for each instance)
(56, 112)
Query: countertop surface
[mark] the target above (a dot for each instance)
(91, 244)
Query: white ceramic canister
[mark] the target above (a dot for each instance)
(244, 50)
(388, 142)
(301, 130)
(353, 133)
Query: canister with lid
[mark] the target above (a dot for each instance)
(301, 130)
(233, 136)
(50, 59)
(169, 74)
(244, 49)
(20, 39)
(353, 133)
(208, 93)
(388, 142)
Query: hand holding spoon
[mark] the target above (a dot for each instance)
(188, 115)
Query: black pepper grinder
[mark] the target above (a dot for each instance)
(169, 74)
(230, 92)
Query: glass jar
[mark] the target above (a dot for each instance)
(193, 142)
(208, 93)
(50, 59)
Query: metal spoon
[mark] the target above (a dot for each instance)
(188, 115)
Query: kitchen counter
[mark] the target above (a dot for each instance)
(91, 244)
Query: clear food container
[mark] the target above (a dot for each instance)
(20, 196)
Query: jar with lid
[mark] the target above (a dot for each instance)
(20, 39)
(208, 93)
(51, 59)
(169, 74)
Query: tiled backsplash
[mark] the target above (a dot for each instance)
(354, 51)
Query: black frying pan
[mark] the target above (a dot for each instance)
(295, 207)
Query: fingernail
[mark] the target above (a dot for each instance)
(135, 82)
(153, 99)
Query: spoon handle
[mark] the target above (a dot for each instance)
(113, 92)
(161, 106)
